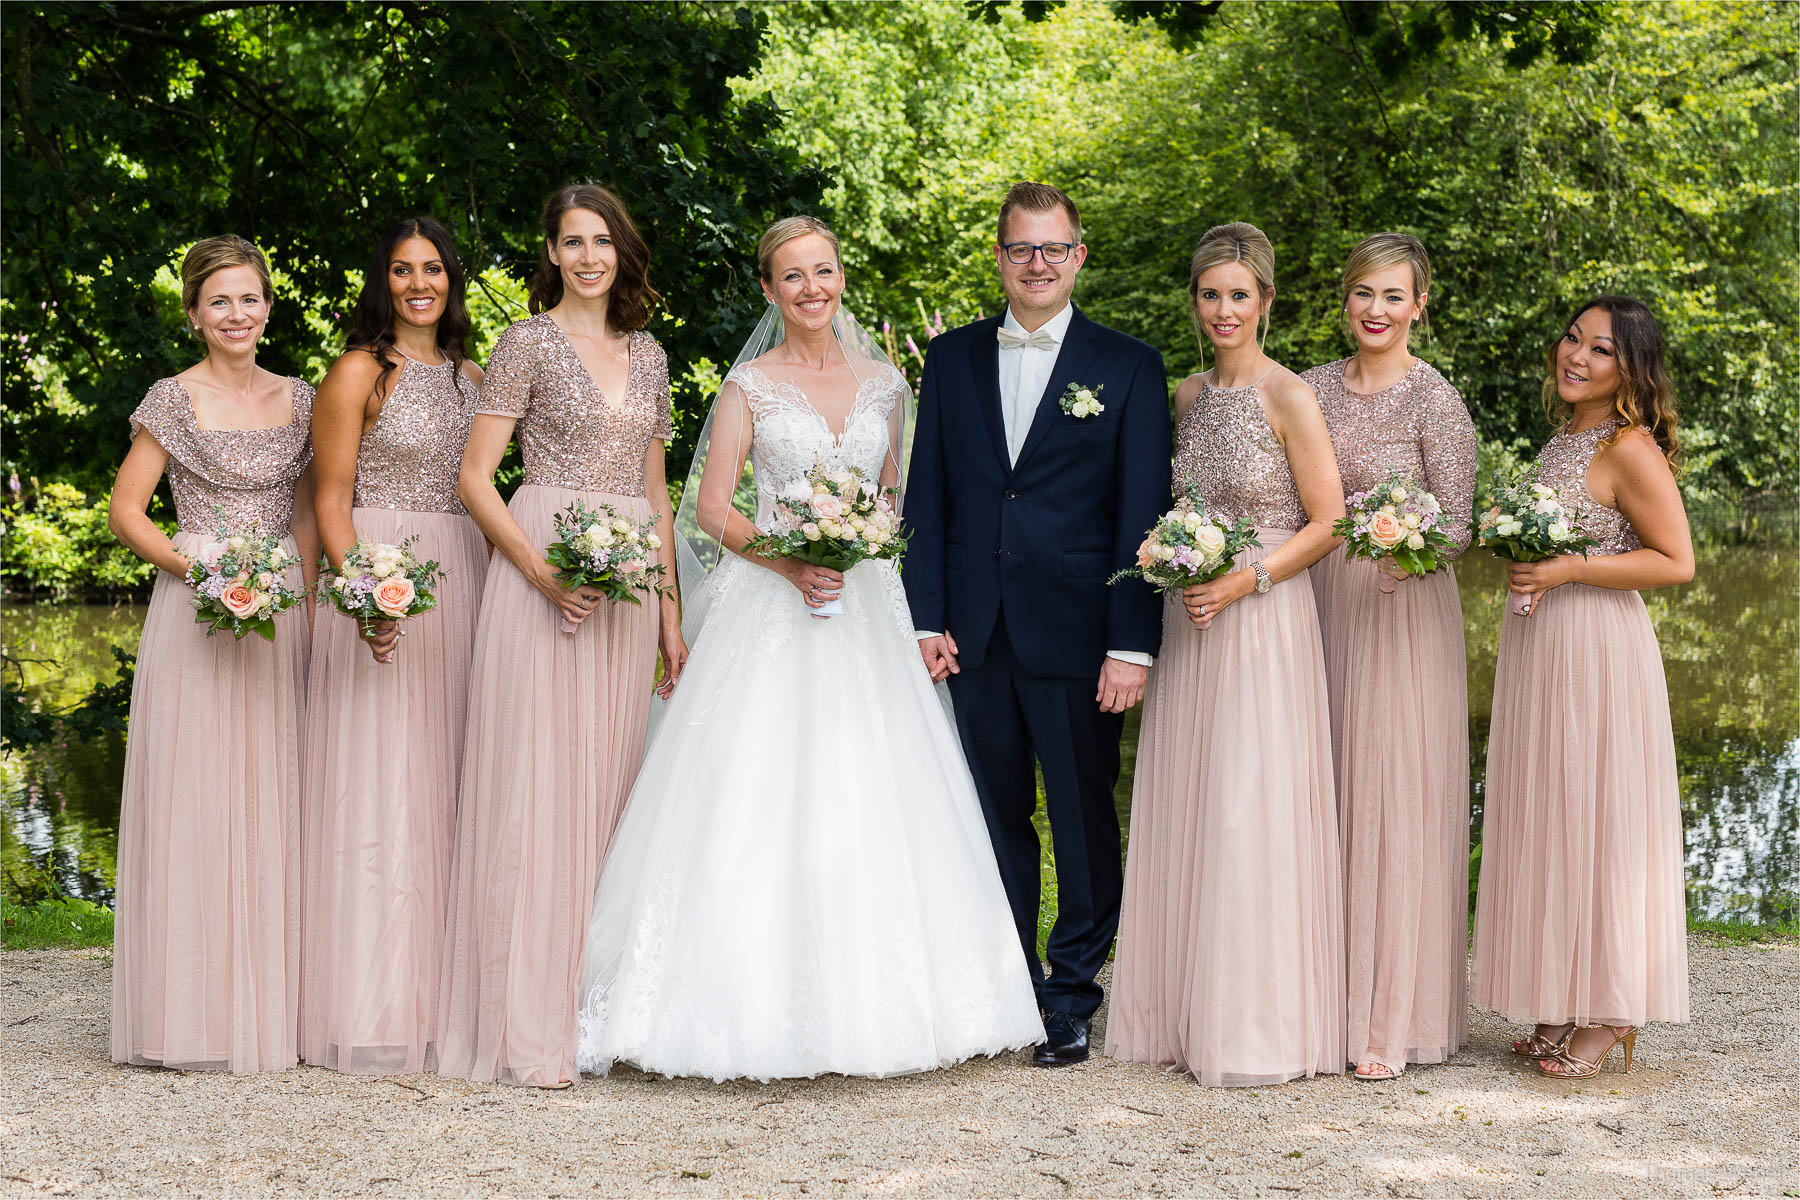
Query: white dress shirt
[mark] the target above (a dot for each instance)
(1024, 374)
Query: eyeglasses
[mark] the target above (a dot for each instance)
(1020, 253)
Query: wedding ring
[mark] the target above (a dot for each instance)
(1203, 610)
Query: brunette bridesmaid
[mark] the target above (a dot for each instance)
(1230, 958)
(1395, 664)
(1581, 918)
(556, 719)
(384, 739)
(206, 939)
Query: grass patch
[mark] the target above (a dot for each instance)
(66, 922)
(1743, 933)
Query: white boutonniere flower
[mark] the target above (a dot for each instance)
(1082, 402)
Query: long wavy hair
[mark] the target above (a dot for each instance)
(1645, 397)
(372, 324)
(631, 298)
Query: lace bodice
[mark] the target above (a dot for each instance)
(241, 478)
(570, 434)
(410, 456)
(1418, 427)
(1225, 446)
(1563, 464)
(791, 437)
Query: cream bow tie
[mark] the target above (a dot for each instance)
(1037, 340)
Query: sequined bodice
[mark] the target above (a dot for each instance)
(570, 434)
(238, 478)
(1563, 464)
(410, 456)
(1224, 446)
(791, 437)
(1418, 427)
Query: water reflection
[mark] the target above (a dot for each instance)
(1729, 643)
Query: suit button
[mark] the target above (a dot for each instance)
(1012, 495)
(999, 553)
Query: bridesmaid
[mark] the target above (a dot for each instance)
(556, 720)
(206, 941)
(1581, 920)
(1395, 665)
(384, 742)
(1231, 944)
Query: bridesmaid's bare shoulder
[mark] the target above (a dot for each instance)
(1186, 392)
(1285, 394)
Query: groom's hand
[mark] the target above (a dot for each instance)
(939, 653)
(1121, 685)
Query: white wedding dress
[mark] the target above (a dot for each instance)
(802, 881)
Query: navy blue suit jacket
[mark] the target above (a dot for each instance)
(1039, 538)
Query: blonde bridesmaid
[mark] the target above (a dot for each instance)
(1581, 917)
(1395, 664)
(206, 932)
(1231, 944)
(556, 719)
(384, 741)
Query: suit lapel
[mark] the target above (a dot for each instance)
(1077, 352)
(984, 363)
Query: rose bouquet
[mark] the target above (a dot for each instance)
(607, 552)
(1188, 545)
(1396, 519)
(379, 582)
(240, 583)
(1525, 522)
(832, 519)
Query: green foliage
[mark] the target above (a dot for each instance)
(1543, 153)
(133, 130)
(55, 540)
(103, 709)
(60, 923)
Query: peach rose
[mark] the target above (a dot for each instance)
(239, 600)
(1146, 555)
(394, 595)
(1386, 530)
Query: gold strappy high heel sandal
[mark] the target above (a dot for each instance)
(1541, 1048)
(1569, 1067)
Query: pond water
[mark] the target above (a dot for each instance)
(1730, 642)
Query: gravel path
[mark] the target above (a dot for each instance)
(1710, 1109)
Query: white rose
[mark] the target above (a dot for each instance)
(1546, 506)
(1388, 509)
(265, 580)
(1398, 495)
(1410, 520)
(653, 541)
(1542, 492)
(810, 532)
(799, 491)
(235, 543)
(1210, 539)
(1416, 541)
(1193, 521)
(1507, 528)
(1559, 532)
(341, 582)
(621, 525)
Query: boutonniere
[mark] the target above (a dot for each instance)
(1082, 402)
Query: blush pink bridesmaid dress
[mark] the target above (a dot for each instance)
(556, 720)
(206, 929)
(1398, 674)
(384, 751)
(1230, 963)
(1581, 913)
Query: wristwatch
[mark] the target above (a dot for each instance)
(1263, 582)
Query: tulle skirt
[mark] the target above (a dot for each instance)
(554, 736)
(206, 927)
(803, 882)
(384, 747)
(1398, 675)
(1581, 913)
(1230, 963)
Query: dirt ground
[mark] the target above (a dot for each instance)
(1710, 1109)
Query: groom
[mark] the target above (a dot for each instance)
(1022, 499)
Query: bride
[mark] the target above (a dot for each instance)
(802, 881)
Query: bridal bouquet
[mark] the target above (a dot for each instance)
(379, 582)
(1398, 520)
(240, 583)
(832, 519)
(1188, 546)
(603, 550)
(1525, 522)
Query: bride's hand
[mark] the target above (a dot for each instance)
(817, 584)
(674, 651)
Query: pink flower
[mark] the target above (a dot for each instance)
(211, 553)
(239, 600)
(394, 595)
(827, 507)
(1386, 531)
(1146, 555)
(634, 566)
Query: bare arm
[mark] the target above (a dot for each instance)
(1632, 476)
(127, 513)
(341, 415)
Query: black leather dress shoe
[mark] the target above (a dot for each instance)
(1065, 1041)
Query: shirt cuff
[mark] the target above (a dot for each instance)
(922, 634)
(1136, 658)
